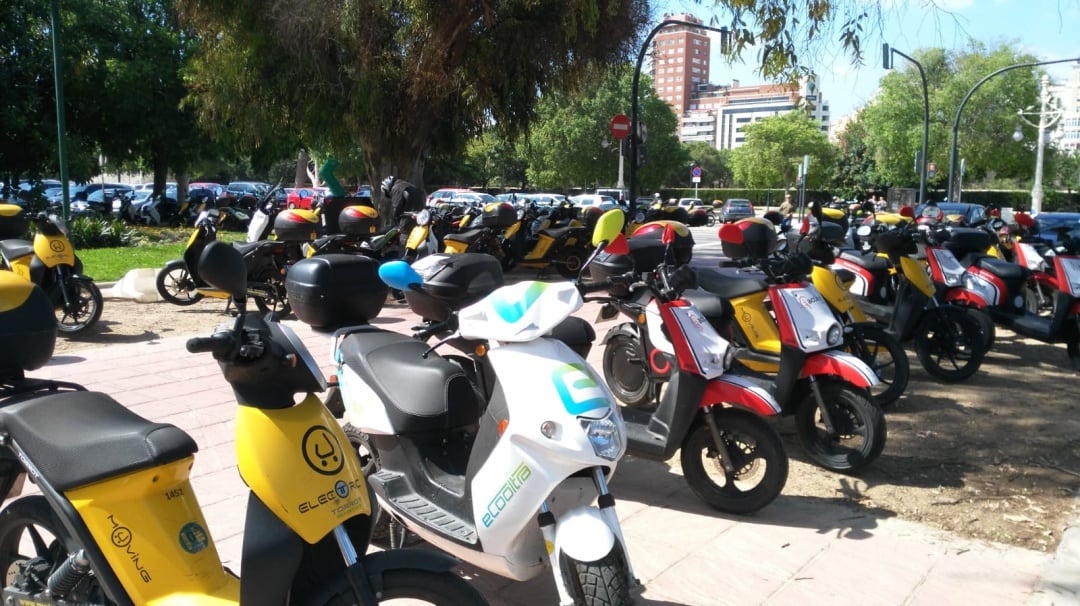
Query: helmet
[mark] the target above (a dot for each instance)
(387, 183)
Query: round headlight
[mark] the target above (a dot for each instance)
(835, 335)
(423, 217)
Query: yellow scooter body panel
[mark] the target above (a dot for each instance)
(916, 274)
(540, 249)
(453, 247)
(756, 322)
(417, 235)
(53, 250)
(297, 460)
(151, 530)
(838, 297)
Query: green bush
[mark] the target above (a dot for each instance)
(86, 232)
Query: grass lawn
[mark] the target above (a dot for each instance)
(155, 250)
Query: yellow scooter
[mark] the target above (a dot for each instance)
(50, 262)
(117, 521)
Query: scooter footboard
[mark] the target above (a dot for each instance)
(841, 364)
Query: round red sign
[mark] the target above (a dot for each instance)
(619, 126)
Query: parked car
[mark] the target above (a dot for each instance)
(964, 213)
(1053, 226)
(735, 209)
(100, 200)
(247, 193)
(304, 197)
(545, 199)
(600, 201)
(444, 194)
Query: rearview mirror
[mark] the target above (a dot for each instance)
(862, 231)
(608, 226)
(222, 266)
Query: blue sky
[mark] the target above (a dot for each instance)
(1048, 29)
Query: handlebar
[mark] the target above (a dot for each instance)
(423, 333)
(219, 344)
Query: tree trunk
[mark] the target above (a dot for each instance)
(300, 176)
(381, 164)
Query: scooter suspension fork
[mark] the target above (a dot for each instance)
(822, 408)
(606, 503)
(718, 441)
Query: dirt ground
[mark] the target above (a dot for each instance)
(994, 458)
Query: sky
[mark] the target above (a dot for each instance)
(1048, 29)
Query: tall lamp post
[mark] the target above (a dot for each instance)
(635, 127)
(1049, 113)
(886, 63)
(953, 167)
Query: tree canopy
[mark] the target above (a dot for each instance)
(401, 79)
(774, 148)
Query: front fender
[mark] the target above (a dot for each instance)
(742, 392)
(965, 298)
(583, 535)
(377, 563)
(840, 364)
(626, 328)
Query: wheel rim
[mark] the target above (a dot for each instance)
(179, 284)
(749, 469)
(851, 434)
(950, 344)
(77, 315)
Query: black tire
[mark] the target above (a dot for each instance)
(176, 285)
(369, 464)
(424, 586)
(986, 327)
(278, 301)
(883, 353)
(84, 310)
(30, 529)
(711, 221)
(859, 424)
(949, 344)
(570, 260)
(758, 457)
(625, 372)
(604, 582)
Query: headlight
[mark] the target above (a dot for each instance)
(605, 435)
(423, 217)
(835, 335)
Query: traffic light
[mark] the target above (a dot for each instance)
(641, 153)
(931, 170)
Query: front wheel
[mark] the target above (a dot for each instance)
(858, 427)
(884, 354)
(758, 459)
(176, 285)
(82, 308)
(949, 343)
(604, 582)
(711, 220)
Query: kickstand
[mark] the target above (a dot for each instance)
(398, 534)
(228, 309)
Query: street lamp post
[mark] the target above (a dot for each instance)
(960, 110)
(886, 62)
(635, 127)
(1049, 114)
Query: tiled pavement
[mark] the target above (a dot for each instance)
(796, 551)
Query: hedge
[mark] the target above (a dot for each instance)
(1015, 199)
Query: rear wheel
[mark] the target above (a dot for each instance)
(570, 261)
(369, 464)
(883, 353)
(858, 435)
(82, 309)
(625, 372)
(274, 298)
(176, 285)
(986, 327)
(758, 459)
(949, 344)
(604, 582)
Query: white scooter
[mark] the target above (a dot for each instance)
(495, 457)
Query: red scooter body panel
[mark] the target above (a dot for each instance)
(841, 364)
(733, 389)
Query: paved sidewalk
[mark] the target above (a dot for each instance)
(796, 551)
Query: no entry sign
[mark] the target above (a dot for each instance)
(619, 126)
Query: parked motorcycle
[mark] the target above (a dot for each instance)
(117, 521)
(998, 288)
(490, 237)
(731, 457)
(791, 341)
(892, 287)
(563, 248)
(179, 281)
(50, 262)
(494, 457)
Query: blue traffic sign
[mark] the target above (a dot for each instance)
(695, 172)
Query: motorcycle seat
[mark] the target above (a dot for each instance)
(421, 394)
(870, 261)
(466, 237)
(14, 249)
(558, 232)
(1009, 272)
(727, 287)
(246, 247)
(76, 438)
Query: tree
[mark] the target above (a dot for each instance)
(715, 166)
(854, 174)
(774, 148)
(570, 144)
(403, 79)
(894, 119)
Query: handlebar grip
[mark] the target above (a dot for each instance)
(218, 344)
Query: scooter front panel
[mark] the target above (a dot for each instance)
(54, 250)
(520, 312)
(297, 460)
(1068, 271)
(804, 318)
